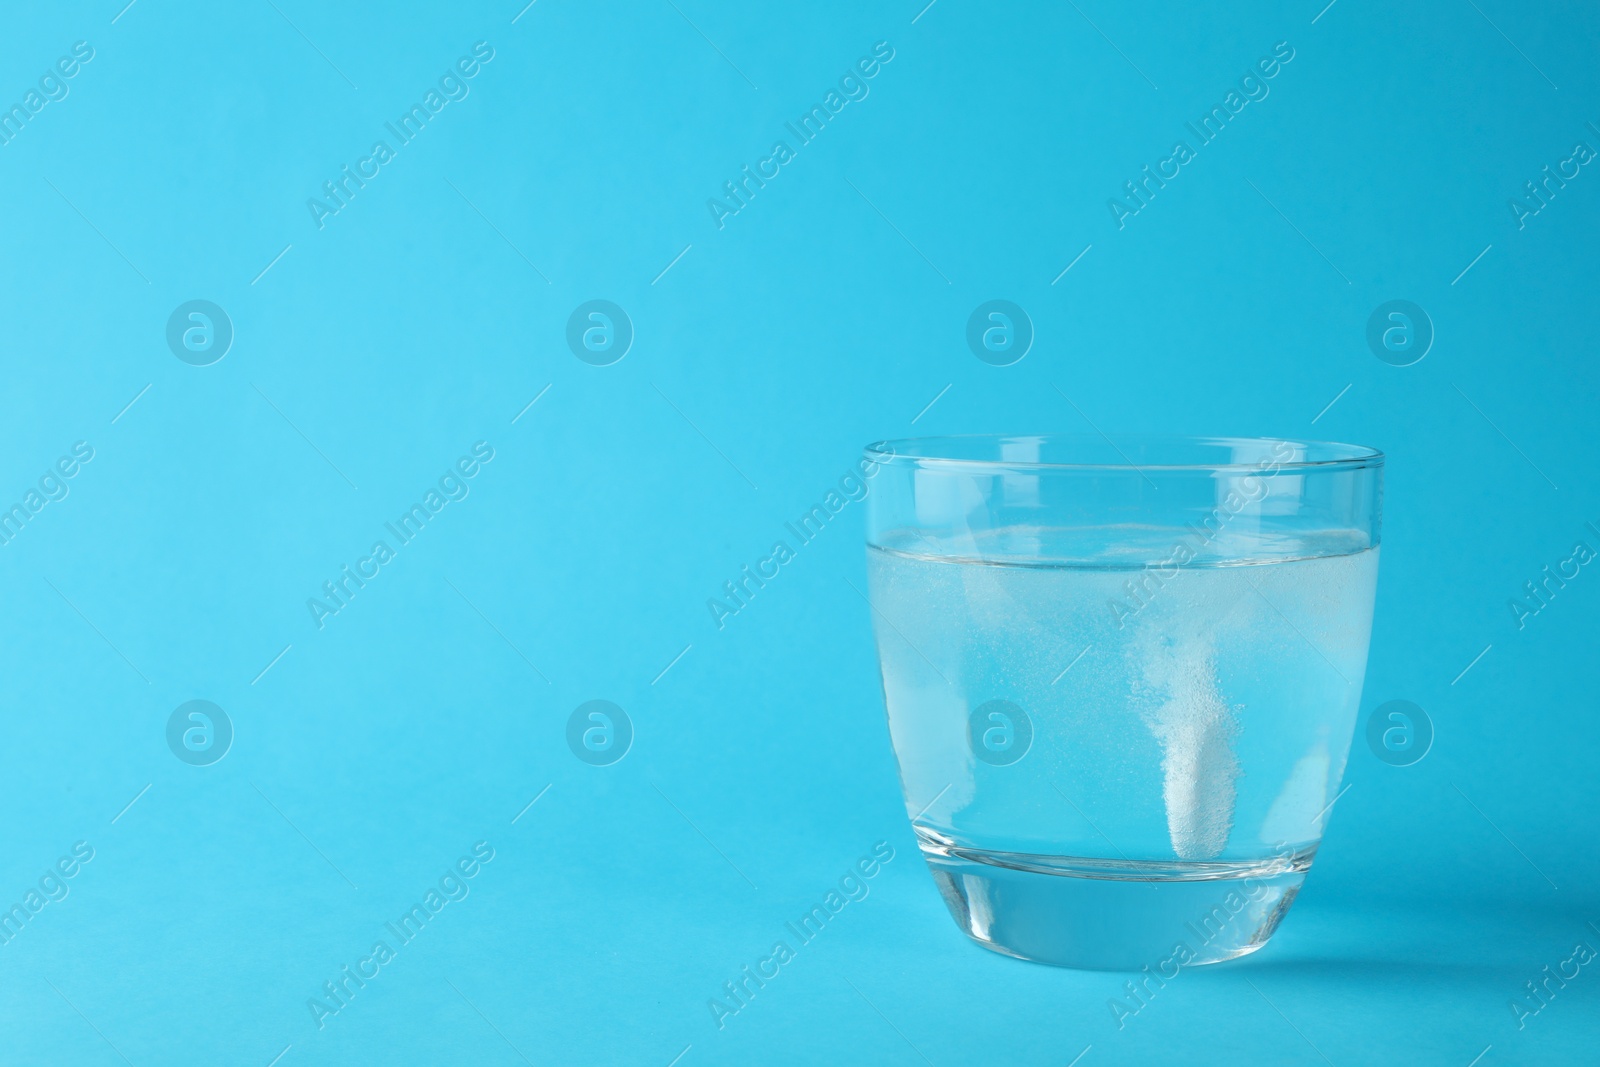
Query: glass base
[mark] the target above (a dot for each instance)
(1114, 915)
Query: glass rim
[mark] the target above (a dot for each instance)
(926, 452)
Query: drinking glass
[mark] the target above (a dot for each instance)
(1121, 678)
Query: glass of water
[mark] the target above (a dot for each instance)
(1121, 679)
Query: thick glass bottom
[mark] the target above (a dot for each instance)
(1114, 915)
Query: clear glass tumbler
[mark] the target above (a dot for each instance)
(1121, 679)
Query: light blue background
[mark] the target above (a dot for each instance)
(826, 314)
